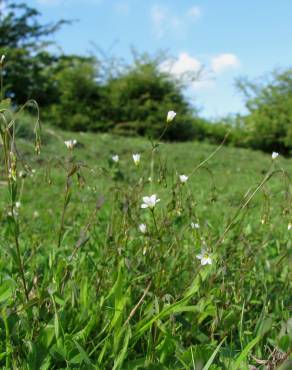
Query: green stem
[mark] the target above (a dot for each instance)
(20, 263)
(63, 213)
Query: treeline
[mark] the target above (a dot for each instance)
(84, 94)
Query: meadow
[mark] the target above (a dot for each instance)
(205, 283)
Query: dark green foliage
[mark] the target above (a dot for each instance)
(268, 126)
(79, 100)
(22, 40)
(142, 95)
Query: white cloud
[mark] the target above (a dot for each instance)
(158, 17)
(194, 13)
(183, 64)
(223, 62)
(198, 75)
(165, 21)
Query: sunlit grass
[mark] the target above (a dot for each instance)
(204, 283)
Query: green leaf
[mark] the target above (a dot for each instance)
(211, 359)
(6, 290)
(242, 357)
(83, 354)
(123, 353)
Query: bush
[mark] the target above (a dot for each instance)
(269, 102)
(142, 95)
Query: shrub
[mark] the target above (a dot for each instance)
(269, 103)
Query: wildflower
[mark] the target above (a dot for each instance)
(2, 59)
(12, 174)
(289, 226)
(150, 202)
(195, 225)
(275, 155)
(150, 179)
(142, 228)
(12, 169)
(204, 257)
(136, 158)
(183, 178)
(70, 144)
(36, 214)
(170, 116)
(115, 158)
(17, 204)
(22, 174)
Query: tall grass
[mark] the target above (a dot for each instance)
(83, 285)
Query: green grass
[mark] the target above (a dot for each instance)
(110, 297)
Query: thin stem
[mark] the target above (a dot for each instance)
(20, 263)
(63, 212)
(155, 223)
(1, 83)
(245, 204)
(132, 313)
(210, 156)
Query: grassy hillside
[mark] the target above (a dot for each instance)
(103, 295)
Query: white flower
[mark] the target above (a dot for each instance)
(150, 179)
(170, 116)
(115, 158)
(17, 204)
(136, 158)
(183, 178)
(150, 202)
(290, 226)
(36, 214)
(275, 155)
(142, 228)
(204, 257)
(195, 225)
(70, 144)
(2, 59)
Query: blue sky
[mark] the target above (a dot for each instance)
(229, 38)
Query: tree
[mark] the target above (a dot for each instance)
(23, 39)
(80, 100)
(268, 125)
(140, 96)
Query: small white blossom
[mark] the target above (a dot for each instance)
(289, 226)
(150, 179)
(150, 202)
(115, 158)
(170, 116)
(70, 144)
(36, 214)
(17, 204)
(2, 59)
(183, 178)
(142, 228)
(204, 257)
(275, 155)
(195, 225)
(136, 158)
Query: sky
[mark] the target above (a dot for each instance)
(226, 39)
